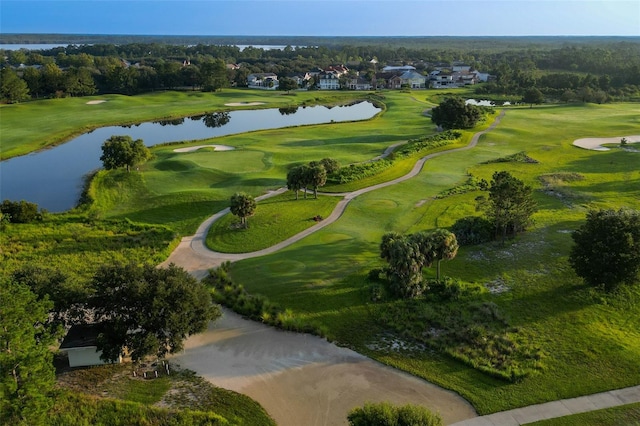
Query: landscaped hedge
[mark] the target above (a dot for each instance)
(360, 171)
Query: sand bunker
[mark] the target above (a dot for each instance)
(244, 103)
(302, 379)
(96, 102)
(595, 144)
(195, 148)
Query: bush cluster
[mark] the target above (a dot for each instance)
(360, 171)
(429, 142)
(472, 184)
(255, 307)
(518, 157)
(451, 318)
(472, 230)
(20, 211)
(384, 413)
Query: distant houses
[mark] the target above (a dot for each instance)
(267, 81)
(394, 77)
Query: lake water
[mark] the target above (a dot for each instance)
(53, 178)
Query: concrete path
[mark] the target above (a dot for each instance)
(560, 408)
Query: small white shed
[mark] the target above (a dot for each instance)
(80, 346)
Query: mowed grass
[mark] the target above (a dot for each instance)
(275, 219)
(591, 342)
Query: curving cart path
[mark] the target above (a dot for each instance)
(193, 255)
(298, 378)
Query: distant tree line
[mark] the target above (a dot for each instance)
(593, 72)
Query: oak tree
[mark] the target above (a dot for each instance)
(243, 206)
(148, 310)
(122, 151)
(606, 250)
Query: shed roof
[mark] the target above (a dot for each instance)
(80, 336)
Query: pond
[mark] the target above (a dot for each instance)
(53, 178)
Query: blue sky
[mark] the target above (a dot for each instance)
(323, 17)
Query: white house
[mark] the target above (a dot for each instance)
(390, 68)
(413, 79)
(81, 348)
(266, 80)
(328, 81)
(359, 83)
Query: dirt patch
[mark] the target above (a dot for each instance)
(244, 103)
(595, 144)
(96, 102)
(195, 148)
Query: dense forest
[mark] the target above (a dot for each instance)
(564, 69)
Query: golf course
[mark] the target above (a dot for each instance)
(548, 335)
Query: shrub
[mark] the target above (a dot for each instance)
(386, 414)
(472, 230)
(20, 211)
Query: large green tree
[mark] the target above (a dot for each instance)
(69, 297)
(606, 250)
(533, 96)
(122, 151)
(317, 177)
(243, 205)
(287, 84)
(26, 363)
(148, 310)
(510, 205)
(295, 180)
(13, 89)
(454, 113)
(444, 245)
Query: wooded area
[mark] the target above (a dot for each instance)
(567, 69)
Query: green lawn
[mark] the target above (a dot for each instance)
(589, 342)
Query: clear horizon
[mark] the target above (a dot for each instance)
(323, 18)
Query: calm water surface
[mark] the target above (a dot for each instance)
(53, 178)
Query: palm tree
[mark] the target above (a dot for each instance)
(444, 245)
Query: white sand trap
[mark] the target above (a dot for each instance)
(595, 144)
(244, 103)
(195, 148)
(96, 102)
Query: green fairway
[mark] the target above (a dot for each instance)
(587, 342)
